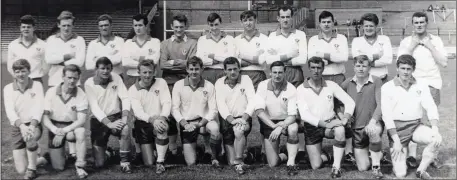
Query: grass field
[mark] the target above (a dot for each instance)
(447, 154)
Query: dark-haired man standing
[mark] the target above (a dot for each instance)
(141, 47)
(107, 44)
(213, 48)
(28, 47)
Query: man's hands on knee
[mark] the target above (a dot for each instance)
(27, 132)
(160, 125)
(239, 121)
(116, 125)
(370, 129)
(241, 127)
(275, 133)
(58, 140)
(240, 124)
(333, 123)
(282, 124)
(188, 127)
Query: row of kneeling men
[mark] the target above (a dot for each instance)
(223, 113)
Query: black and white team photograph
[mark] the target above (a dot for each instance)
(228, 89)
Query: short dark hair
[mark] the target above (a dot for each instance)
(325, 14)
(285, 8)
(370, 17)
(247, 14)
(194, 60)
(231, 60)
(316, 60)
(277, 63)
(103, 60)
(140, 17)
(180, 18)
(212, 17)
(71, 68)
(406, 59)
(361, 58)
(21, 64)
(420, 14)
(28, 19)
(105, 17)
(146, 62)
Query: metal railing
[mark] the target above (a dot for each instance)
(300, 16)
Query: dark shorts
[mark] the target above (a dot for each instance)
(171, 78)
(337, 78)
(51, 135)
(266, 130)
(386, 79)
(129, 80)
(16, 137)
(38, 79)
(256, 76)
(226, 129)
(294, 75)
(212, 75)
(405, 130)
(315, 135)
(190, 137)
(360, 139)
(144, 132)
(173, 127)
(436, 95)
(100, 132)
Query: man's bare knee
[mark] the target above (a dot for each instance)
(339, 133)
(80, 134)
(400, 171)
(292, 129)
(213, 128)
(37, 134)
(190, 163)
(363, 167)
(70, 136)
(315, 165)
(21, 169)
(400, 174)
(273, 163)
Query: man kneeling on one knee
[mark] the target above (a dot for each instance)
(110, 105)
(23, 100)
(367, 127)
(278, 116)
(402, 102)
(315, 100)
(235, 101)
(151, 105)
(194, 108)
(65, 111)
